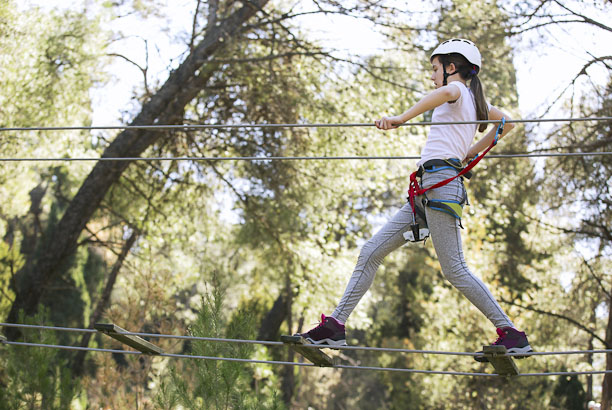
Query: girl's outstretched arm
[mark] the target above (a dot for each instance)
(494, 114)
(429, 102)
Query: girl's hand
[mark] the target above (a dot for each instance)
(386, 123)
(470, 156)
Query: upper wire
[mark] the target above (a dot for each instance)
(296, 125)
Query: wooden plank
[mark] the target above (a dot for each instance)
(503, 364)
(136, 342)
(314, 354)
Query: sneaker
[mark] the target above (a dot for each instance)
(330, 332)
(513, 340)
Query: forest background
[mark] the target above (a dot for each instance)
(254, 249)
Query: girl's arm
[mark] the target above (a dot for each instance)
(429, 102)
(494, 114)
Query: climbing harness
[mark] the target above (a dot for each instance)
(454, 208)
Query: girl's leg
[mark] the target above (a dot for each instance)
(446, 236)
(389, 238)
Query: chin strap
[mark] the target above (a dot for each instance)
(446, 75)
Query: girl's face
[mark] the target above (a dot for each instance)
(437, 70)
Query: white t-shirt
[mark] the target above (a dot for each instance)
(451, 141)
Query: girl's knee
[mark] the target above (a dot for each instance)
(456, 274)
(372, 251)
(368, 249)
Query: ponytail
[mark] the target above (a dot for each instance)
(469, 71)
(482, 109)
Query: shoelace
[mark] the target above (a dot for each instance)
(321, 324)
(502, 334)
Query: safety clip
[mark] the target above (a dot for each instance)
(416, 233)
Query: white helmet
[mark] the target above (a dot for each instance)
(461, 46)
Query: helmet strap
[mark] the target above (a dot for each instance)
(445, 74)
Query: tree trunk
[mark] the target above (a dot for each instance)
(591, 346)
(271, 323)
(606, 394)
(288, 372)
(165, 106)
(79, 358)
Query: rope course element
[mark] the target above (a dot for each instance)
(188, 127)
(313, 158)
(275, 343)
(222, 340)
(235, 359)
(185, 127)
(3, 339)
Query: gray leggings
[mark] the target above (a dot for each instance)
(446, 237)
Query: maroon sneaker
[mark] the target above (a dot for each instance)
(513, 340)
(330, 331)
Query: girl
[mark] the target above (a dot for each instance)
(454, 63)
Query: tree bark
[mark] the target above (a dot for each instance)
(269, 329)
(288, 372)
(606, 393)
(79, 358)
(165, 106)
(271, 323)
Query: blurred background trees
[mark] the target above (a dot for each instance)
(143, 243)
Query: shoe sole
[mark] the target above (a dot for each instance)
(526, 349)
(328, 342)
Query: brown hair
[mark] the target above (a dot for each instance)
(469, 71)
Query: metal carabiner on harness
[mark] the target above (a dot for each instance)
(416, 233)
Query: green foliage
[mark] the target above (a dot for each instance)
(11, 261)
(213, 384)
(36, 377)
(49, 63)
(294, 227)
(569, 393)
(576, 193)
(70, 301)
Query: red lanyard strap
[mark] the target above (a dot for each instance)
(415, 190)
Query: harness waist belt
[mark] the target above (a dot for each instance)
(432, 164)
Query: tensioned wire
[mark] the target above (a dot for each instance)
(235, 359)
(276, 343)
(304, 158)
(339, 366)
(302, 125)
(186, 127)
